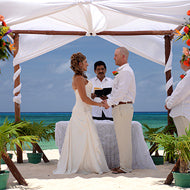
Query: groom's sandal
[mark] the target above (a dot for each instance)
(118, 171)
(114, 169)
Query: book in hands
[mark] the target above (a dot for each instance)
(102, 92)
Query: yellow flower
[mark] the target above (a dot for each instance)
(12, 48)
(177, 33)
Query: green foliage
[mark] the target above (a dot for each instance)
(4, 50)
(10, 135)
(44, 132)
(149, 131)
(5, 46)
(173, 145)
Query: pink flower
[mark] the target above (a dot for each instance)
(186, 51)
(2, 17)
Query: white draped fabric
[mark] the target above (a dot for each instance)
(106, 133)
(93, 16)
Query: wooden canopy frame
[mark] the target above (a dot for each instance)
(168, 36)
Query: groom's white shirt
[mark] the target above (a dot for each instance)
(124, 87)
(179, 101)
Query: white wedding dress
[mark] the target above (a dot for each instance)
(82, 150)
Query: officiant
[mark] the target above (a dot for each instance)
(101, 82)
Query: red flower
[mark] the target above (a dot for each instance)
(186, 29)
(188, 42)
(4, 23)
(182, 76)
(188, 12)
(187, 62)
(115, 73)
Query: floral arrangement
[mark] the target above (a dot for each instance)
(185, 37)
(114, 73)
(6, 47)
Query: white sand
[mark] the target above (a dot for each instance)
(40, 176)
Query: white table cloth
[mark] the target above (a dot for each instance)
(106, 132)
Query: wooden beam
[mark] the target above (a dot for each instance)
(83, 33)
(134, 33)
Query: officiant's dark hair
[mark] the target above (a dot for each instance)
(98, 63)
(76, 58)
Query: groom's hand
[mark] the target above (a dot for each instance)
(166, 108)
(105, 104)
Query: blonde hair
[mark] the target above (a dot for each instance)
(76, 58)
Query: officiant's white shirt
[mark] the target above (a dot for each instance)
(105, 83)
(124, 87)
(179, 101)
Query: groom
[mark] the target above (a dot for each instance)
(121, 100)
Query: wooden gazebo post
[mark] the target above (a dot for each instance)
(168, 39)
(5, 156)
(17, 81)
(17, 106)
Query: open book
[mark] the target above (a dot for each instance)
(102, 92)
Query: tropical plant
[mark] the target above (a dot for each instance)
(10, 135)
(43, 131)
(176, 145)
(148, 132)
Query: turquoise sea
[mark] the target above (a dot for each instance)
(152, 119)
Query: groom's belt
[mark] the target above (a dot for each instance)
(130, 102)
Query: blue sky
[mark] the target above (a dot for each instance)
(46, 80)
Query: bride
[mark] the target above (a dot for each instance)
(82, 150)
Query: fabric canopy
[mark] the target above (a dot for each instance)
(93, 16)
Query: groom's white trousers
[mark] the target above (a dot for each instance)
(122, 116)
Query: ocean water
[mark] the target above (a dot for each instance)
(152, 119)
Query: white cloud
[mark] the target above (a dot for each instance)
(67, 85)
(62, 68)
(50, 86)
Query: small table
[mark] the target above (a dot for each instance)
(106, 133)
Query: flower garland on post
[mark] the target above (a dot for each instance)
(6, 47)
(185, 37)
(186, 61)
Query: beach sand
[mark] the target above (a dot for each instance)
(40, 176)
